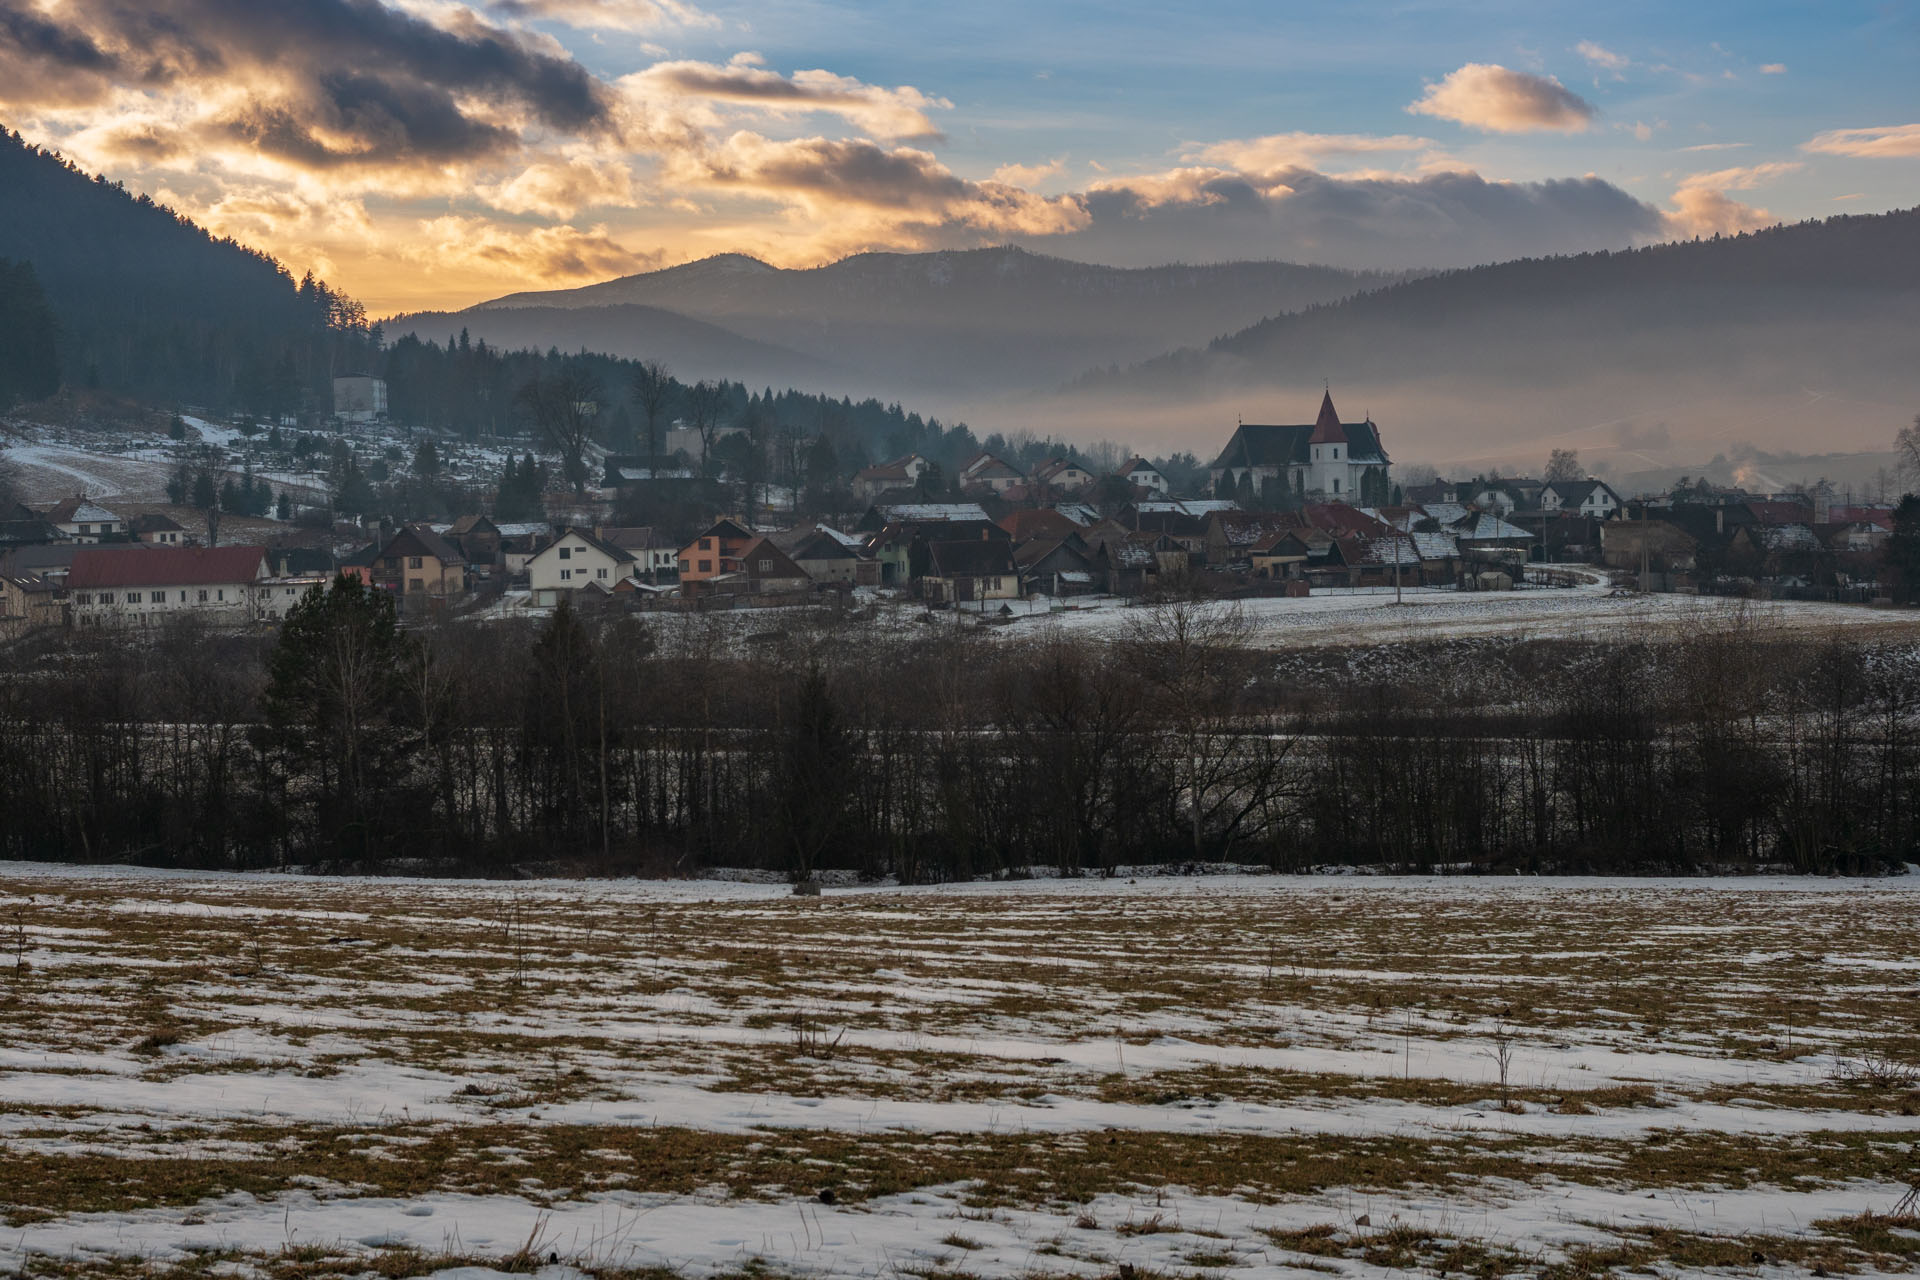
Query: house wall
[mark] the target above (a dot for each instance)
(429, 577)
(583, 564)
(229, 602)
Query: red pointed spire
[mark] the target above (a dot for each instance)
(1327, 428)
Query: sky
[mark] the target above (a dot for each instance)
(431, 154)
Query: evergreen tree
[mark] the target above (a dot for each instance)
(29, 351)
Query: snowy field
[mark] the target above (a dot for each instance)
(210, 1075)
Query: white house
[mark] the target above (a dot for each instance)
(1144, 475)
(1062, 474)
(1588, 497)
(359, 397)
(143, 586)
(83, 521)
(578, 559)
(984, 470)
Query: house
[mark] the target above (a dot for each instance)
(827, 555)
(972, 571)
(1142, 474)
(27, 601)
(1280, 553)
(1057, 566)
(1659, 545)
(714, 552)
(903, 472)
(1062, 474)
(1042, 522)
(84, 521)
(275, 596)
(641, 468)
(656, 557)
(141, 586)
(1324, 459)
(1592, 498)
(477, 538)
(359, 397)
(883, 514)
(157, 530)
(1232, 535)
(577, 559)
(985, 471)
(300, 562)
(417, 562)
(767, 568)
(901, 549)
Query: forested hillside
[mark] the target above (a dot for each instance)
(151, 306)
(1790, 304)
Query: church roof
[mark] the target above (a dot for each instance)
(1264, 445)
(1326, 427)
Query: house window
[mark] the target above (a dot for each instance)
(220, 594)
(83, 598)
(766, 566)
(599, 573)
(706, 566)
(566, 552)
(416, 584)
(183, 597)
(413, 562)
(1336, 484)
(686, 566)
(86, 528)
(203, 595)
(566, 575)
(706, 544)
(106, 597)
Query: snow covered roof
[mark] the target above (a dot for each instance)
(1485, 527)
(1445, 512)
(1200, 507)
(1435, 546)
(1078, 512)
(931, 512)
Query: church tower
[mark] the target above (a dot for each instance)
(1329, 468)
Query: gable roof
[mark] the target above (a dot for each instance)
(1043, 522)
(766, 549)
(78, 510)
(154, 522)
(102, 567)
(619, 555)
(419, 540)
(724, 527)
(1134, 464)
(980, 557)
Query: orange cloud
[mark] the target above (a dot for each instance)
(1495, 99)
(1876, 142)
(897, 113)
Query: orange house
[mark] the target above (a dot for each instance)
(714, 552)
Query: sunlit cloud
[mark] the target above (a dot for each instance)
(605, 15)
(1498, 100)
(1602, 58)
(896, 113)
(1877, 141)
(1292, 150)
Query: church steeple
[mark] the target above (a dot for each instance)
(1327, 428)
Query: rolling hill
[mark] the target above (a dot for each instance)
(980, 323)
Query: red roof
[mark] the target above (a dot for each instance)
(99, 567)
(1326, 427)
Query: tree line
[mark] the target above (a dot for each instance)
(803, 740)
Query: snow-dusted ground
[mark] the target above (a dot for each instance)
(613, 1069)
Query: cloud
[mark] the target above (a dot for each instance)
(1876, 141)
(1447, 219)
(1028, 175)
(561, 188)
(1774, 69)
(558, 253)
(1494, 99)
(317, 84)
(1294, 150)
(1603, 58)
(605, 15)
(1716, 146)
(897, 113)
(1706, 211)
(1743, 178)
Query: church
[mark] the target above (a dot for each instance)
(1325, 460)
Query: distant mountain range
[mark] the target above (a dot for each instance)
(980, 323)
(1799, 338)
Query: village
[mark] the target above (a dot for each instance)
(1282, 511)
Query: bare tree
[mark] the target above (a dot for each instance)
(563, 405)
(1906, 450)
(652, 389)
(705, 399)
(1564, 464)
